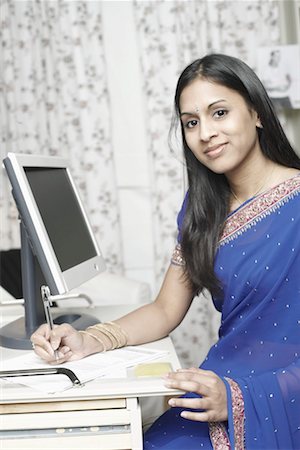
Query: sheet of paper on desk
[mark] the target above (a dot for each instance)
(113, 364)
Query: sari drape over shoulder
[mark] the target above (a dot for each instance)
(258, 351)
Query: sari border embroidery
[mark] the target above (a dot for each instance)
(217, 430)
(218, 436)
(258, 208)
(238, 411)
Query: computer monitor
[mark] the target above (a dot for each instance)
(58, 247)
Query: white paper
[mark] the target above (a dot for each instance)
(113, 364)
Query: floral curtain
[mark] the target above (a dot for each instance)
(54, 101)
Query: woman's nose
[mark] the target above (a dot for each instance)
(206, 130)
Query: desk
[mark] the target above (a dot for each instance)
(103, 415)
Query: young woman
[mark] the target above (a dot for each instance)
(239, 237)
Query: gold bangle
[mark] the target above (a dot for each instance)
(97, 338)
(112, 331)
(104, 329)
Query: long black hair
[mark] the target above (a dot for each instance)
(209, 193)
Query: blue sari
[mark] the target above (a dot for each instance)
(258, 351)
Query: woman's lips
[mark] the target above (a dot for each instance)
(215, 151)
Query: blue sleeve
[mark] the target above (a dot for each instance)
(180, 217)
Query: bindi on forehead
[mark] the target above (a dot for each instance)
(196, 109)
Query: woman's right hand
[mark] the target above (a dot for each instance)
(60, 345)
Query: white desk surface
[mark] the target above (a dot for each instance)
(97, 389)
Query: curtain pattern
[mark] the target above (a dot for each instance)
(171, 35)
(54, 101)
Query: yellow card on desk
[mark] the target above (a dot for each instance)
(155, 369)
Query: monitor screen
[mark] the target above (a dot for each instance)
(58, 247)
(61, 214)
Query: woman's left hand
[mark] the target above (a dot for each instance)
(208, 385)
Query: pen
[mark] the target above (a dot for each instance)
(47, 303)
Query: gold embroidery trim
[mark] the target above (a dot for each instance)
(258, 208)
(217, 430)
(218, 436)
(238, 412)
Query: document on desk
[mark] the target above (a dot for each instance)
(113, 364)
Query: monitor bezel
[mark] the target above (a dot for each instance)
(59, 281)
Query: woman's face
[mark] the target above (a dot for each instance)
(219, 127)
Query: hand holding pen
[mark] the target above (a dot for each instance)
(69, 341)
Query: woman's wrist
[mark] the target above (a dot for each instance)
(91, 344)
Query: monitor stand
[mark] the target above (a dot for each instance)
(17, 334)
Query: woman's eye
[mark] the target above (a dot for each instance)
(191, 123)
(220, 113)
